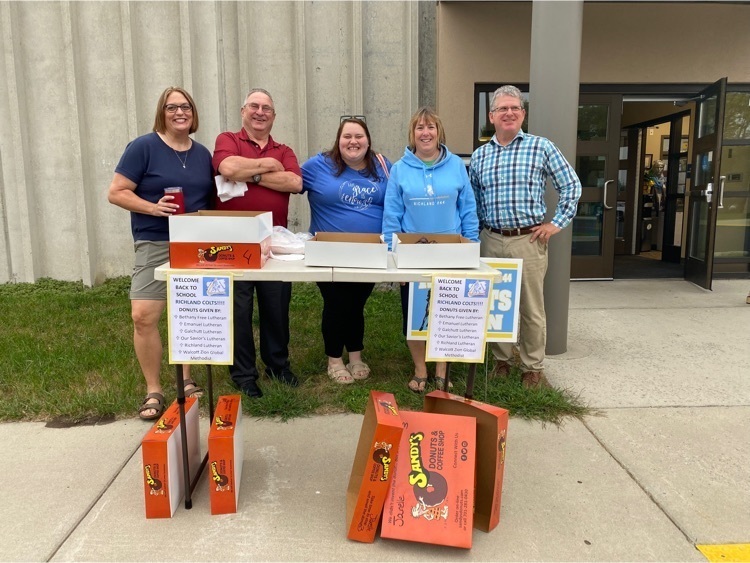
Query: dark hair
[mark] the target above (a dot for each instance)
(335, 153)
(160, 124)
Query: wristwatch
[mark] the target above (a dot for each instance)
(256, 179)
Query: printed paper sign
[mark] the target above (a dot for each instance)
(458, 318)
(504, 310)
(200, 319)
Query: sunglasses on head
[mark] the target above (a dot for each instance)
(360, 117)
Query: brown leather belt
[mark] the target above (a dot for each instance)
(513, 232)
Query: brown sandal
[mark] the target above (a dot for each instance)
(440, 384)
(417, 384)
(158, 406)
(194, 390)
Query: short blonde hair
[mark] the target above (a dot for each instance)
(429, 116)
(160, 124)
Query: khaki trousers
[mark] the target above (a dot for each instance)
(533, 324)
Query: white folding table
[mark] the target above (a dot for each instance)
(295, 271)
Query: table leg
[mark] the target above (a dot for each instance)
(204, 462)
(470, 381)
(183, 435)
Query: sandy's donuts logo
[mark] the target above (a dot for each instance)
(222, 424)
(359, 195)
(164, 426)
(221, 480)
(212, 253)
(381, 455)
(430, 487)
(155, 486)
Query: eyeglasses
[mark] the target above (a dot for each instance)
(256, 107)
(505, 109)
(360, 117)
(172, 108)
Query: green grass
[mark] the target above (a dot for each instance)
(68, 353)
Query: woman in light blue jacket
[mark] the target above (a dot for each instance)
(428, 192)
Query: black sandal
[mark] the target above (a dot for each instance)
(195, 391)
(158, 406)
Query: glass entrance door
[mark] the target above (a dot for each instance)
(705, 188)
(597, 166)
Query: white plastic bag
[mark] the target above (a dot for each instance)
(284, 241)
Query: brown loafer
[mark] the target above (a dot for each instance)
(533, 380)
(501, 370)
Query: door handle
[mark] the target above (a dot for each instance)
(604, 196)
(708, 192)
(721, 191)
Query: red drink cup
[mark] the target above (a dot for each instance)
(177, 198)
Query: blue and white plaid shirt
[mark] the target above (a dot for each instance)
(509, 182)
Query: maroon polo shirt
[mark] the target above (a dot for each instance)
(257, 197)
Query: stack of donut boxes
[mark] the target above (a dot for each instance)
(430, 476)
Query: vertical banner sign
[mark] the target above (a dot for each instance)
(506, 294)
(458, 318)
(419, 310)
(504, 310)
(200, 319)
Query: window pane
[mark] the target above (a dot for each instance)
(620, 221)
(679, 217)
(681, 175)
(704, 169)
(697, 248)
(592, 122)
(587, 230)
(622, 183)
(707, 117)
(624, 144)
(591, 170)
(737, 116)
(733, 229)
(735, 168)
(483, 133)
(733, 221)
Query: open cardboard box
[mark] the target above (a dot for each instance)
(447, 251)
(346, 250)
(220, 239)
(163, 479)
(492, 430)
(431, 498)
(372, 468)
(225, 455)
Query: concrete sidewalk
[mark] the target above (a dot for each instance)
(661, 467)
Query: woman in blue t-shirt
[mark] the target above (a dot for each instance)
(164, 158)
(346, 189)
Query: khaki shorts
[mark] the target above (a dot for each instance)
(148, 256)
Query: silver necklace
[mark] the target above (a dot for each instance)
(183, 162)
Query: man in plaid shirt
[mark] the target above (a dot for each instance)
(509, 176)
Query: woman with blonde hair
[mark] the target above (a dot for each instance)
(428, 192)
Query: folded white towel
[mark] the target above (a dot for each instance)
(226, 190)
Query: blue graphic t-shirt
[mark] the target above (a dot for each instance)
(350, 203)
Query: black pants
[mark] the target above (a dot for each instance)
(273, 313)
(343, 323)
